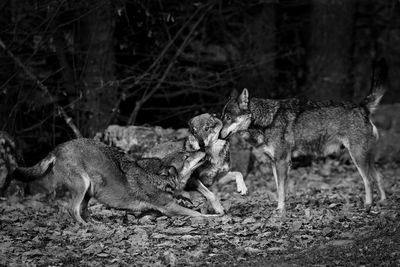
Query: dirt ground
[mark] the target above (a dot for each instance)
(325, 225)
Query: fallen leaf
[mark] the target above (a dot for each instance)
(307, 213)
(34, 252)
(340, 242)
(252, 250)
(179, 231)
(170, 259)
(276, 249)
(296, 226)
(249, 220)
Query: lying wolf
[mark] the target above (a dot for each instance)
(91, 169)
(283, 126)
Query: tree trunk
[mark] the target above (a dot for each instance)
(260, 79)
(330, 63)
(96, 40)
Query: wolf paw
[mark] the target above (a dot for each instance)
(219, 210)
(367, 207)
(383, 202)
(242, 188)
(280, 210)
(217, 207)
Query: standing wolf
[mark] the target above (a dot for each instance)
(282, 126)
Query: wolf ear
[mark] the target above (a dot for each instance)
(244, 99)
(190, 124)
(168, 171)
(234, 94)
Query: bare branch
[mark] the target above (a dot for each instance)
(147, 96)
(67, 118)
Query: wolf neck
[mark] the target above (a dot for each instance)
(263, 111)
(215, 148)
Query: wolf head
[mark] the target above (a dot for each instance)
(206, 128)
(164, 176)
(236, 115)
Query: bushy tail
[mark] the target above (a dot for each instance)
(27, 174)
(378, 85)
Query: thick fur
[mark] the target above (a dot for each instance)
(311, 127)
(206, 129)
(189, 143)
(91, 169)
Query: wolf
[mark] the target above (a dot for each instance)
(89, 168)
(205, 128)
(287, 125)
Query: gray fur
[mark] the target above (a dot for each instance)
(91, 169)
(321, 127)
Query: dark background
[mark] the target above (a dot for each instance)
(162, 62)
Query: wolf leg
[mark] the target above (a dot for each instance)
(78, 192)
(238, 178)
(84, 207)
(374, 175)
(282, 169)
(360, 159)
(275, 175)
(379, 182)
(202, 189)
(364, 161)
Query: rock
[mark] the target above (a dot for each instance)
(137, 139)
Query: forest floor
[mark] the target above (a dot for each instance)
(325, 225)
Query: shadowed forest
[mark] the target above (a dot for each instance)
(74, 68)
(162, 62)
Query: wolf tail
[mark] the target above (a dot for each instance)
(378, 85)
(28, 174)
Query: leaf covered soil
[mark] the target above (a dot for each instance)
(325, 224)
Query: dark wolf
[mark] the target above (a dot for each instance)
(92, 169)
(283, 126)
